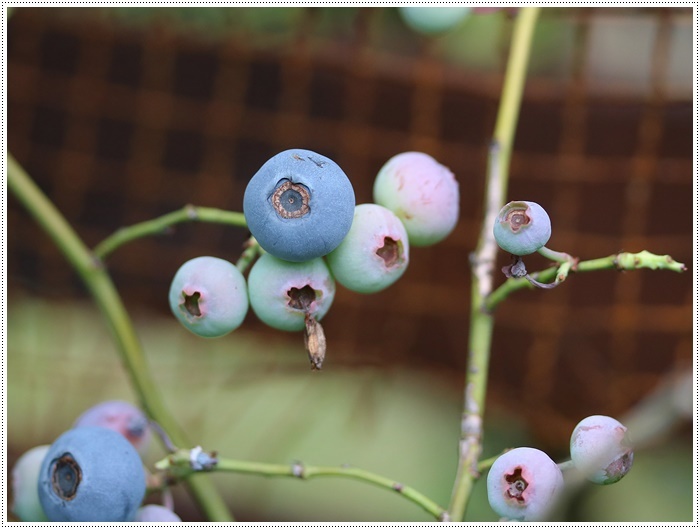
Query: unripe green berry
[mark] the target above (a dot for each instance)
(374, 254)
(601, 449)
(522, 227)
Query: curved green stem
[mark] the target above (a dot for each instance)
(620, 261)
(558, 257)
(179, 464)
(160, 225)
(98, 282)
(483, 263)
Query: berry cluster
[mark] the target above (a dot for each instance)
(91, 473)
(524, 484)
(301, 212)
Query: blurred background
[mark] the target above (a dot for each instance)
(125, 114)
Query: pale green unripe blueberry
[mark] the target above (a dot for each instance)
(374, 253)
(208, 296)
(601, 449)
(283, 292)
(423, 193)
(522, 227)
(433, 20)
(25, 475)
(524, 484)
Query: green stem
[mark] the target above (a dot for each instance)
(558, 257)
(98, 282)
(483, 263)
(179, 464)
(252, 250)
(620, 261)
(160, 225)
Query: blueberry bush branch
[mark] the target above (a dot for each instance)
(89, 268)
(160, 225)
(621, 261)
(483, 262)
(180, 464)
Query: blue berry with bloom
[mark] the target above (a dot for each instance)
(91, 474)
(299, 205)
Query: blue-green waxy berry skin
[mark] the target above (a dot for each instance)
(423, 193)
(374, 254)
(25, 495)
(433, 20)
(282, 292)
(91, 474)
(522, 227)
(524, 484)
(208, 296)
(601, 449)
(122, 417)
(299, 205)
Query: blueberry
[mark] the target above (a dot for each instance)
(156, 513)
(281, 292)
(601, 449)
(422, 193)
(121, 417)
(208, 296)
(25, 496)
(374, 253)
(522, 227)
(524, 484)
(299, 205)
(91, 474)
(431, 20)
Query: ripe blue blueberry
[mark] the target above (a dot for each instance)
(422, 193)
(91, 474)
(601, 449)
(432, 20)
(25, 496)
(524, 484)
(122, 417)
(208, 296)
(522, 227)
(299, 205)
(374, 253)
(282, 292)
(156, 513)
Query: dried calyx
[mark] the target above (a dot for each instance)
(291, 201)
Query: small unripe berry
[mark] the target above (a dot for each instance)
(433, 20)
(122, 417)
(524, 484)
(422, 193)
(601, 449)
(522, 227)
(374, 253)
(282, 293)
(208, 296)
(25, 496)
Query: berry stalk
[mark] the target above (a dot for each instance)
(160, 225)
(103, 291)
(180, 464)
(483, 263)
(620, 261)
